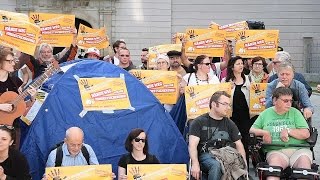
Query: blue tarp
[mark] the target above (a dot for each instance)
(106, 133)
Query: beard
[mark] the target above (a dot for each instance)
(175, 65)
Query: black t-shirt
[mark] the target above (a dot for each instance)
(11, 84)
(207, 128)
(16, 166)
(128, 159)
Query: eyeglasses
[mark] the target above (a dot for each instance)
(257, 64)
(138, 139)
(207, 64)
(162, 62)
(286, 100)
(45, 52)
(225, 104)
(7, 126)
(11, 61)
(122, 55)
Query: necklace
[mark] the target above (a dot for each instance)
(197, 79)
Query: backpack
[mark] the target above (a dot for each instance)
(59, 154)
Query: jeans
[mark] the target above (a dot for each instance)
(210, 166)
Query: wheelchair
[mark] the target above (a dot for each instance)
(263, 170)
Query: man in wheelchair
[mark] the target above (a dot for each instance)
(215, 142)
(284, 130)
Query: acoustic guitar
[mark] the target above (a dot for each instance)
(17, 100)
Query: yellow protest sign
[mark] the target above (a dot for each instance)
(88, 37)
(198, 97)
(160, 49)
(214, 26)
(211, 44)
(8, 16)
(88, 172)
(157, 171)
(20, 35)
(103, 94)
(252, 43)
(257, 98)
(177, 37)
(56, 29)
(163, 84)
(192, 33)
(233, 28)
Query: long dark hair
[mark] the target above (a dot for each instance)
(132, 135)
(230, 74)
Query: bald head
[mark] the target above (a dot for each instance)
(74, 132)
(74, 140)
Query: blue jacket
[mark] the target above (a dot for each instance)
(297, 76)
(299, 88)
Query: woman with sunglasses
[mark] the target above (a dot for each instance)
(10, 82)
(137, 146)
(13, 165)
(202, 75)
(240, 98)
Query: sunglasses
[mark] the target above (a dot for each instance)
(138, 139)
(7, 126)
(122, 55)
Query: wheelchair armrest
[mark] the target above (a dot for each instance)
(313, 136)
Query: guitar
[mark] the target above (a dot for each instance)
(17, 100)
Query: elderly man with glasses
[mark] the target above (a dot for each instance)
(300, 93)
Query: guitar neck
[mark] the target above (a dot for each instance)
(36, 84)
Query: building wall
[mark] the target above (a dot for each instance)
(296, 20)
(145, 23)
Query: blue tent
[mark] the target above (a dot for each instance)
(106, 133)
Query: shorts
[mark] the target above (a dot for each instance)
(292, 155)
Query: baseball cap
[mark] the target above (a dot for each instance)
(173, 53)
(94, 51)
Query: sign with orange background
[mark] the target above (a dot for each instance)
(252, 43)
(177, 37)
(232, 29)
(56, 29)
(103, 94)
(157, 171)
(88, 172)
(160, 49)
(257, 98)
(8, 16)
(20, 35)
(211, 43)
(88, 37)
(198, 97)
(163, 84)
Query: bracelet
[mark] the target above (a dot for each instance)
(288, 130)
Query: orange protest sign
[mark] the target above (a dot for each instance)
(211, 44)
(163, 84)
(198, 97)
(20, 35)
(88, 37)
(157, 171)
(214, 26)
(56, 29)
(89, 172)
(160, 49)
(8, 16)
(103, 94)
(177, 37)
(232, 29)
(257, 98)
(252, 43)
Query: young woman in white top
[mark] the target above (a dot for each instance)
(202, 75)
